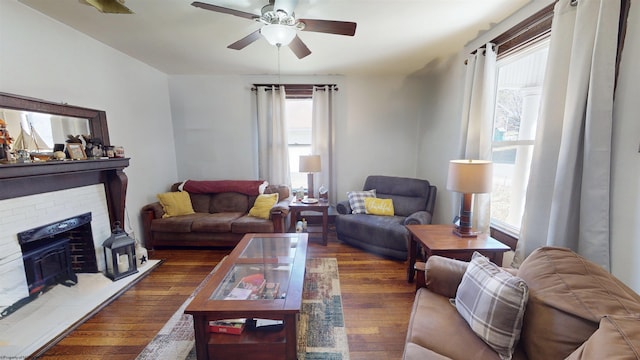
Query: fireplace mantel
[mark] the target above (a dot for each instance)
(18, 180)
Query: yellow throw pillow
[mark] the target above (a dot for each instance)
(176, 203)
(378, 206)
(262, 207)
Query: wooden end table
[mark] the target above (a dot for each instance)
(440, 240)
(280, 259)
(297, 207)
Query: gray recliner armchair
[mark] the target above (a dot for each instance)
(413, 203)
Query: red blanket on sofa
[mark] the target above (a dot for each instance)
(247, 187)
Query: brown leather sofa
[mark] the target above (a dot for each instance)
(575, 310)
(220, 220)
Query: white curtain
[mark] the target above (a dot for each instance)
(322, 137)
(477, 121)
(567, 201)
(273, 152)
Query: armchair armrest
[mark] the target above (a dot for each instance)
(443, 275)
(418, 218)
(155, 208)
(148, 213)
(281, 207)
(279, 215)
(343, 207)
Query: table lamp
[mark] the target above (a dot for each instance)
(468, 177)
(310, 164)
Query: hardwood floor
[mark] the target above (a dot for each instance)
(376, 300)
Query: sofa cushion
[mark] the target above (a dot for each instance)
(218, 222)
(262, 206)
(201, 202)
(176, 224)
(175, 203)
(379, 231)
(356, 200)
(250, 224)
(617, 337)
(568, 295)
(376, 206)
(492, 302)
(229, 202)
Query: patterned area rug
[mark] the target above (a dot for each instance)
(321, 331)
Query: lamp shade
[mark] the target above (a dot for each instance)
(310, 163)
(470, 176)
(277, 34)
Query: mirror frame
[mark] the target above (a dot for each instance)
(97, 118)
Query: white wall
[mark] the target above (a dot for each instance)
(41, 58)
(440, 127)
(375, 123)
(377, 135)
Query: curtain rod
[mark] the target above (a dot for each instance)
(528, 31)
(296, 87)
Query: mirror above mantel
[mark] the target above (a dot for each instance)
(21, 112)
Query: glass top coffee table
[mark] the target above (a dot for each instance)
(261, 279)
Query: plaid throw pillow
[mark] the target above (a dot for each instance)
(492, 302)
(356, 200)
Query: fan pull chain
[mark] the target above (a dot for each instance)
(279, 80)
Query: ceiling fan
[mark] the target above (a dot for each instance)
(281, 26)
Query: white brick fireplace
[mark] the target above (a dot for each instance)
(27, 212)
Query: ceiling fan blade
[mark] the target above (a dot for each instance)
(299, 48)
(224, 10)
(245, 41)
(110, 6)
(287, 5)
(329, 26)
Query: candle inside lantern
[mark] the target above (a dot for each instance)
(123, 263)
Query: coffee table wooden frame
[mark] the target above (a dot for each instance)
(251, 344)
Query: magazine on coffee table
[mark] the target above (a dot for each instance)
(249, 287)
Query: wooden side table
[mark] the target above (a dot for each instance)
(297, 207)
(439, 240)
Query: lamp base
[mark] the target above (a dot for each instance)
(310, 186)
(465, 228)
(465, 233)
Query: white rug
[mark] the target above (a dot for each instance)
(50, 315)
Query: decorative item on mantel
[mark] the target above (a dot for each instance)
(119, 151)
(119, 254)
(5, 142)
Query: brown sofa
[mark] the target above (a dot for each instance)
(575, 310)
(221, 217)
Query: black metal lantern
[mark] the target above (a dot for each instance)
(119, 254)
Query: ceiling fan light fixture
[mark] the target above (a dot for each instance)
(277, 34)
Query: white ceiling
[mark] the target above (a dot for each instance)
(392, 36)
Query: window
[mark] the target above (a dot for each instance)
(519, 89)
(299, 114)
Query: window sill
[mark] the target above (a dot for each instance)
(505, 238)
